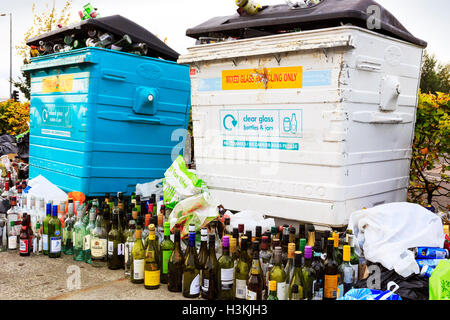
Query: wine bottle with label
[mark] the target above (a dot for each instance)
(166, 249)
(175, 266)
(241, 272)
(152, 275)
(99, 243)
(289, 268)
(137, 260)
(255, 283)
(79, 231)
(318, 267)
(272, 290)
(278, 274)
(54, 234)
(68, 229)
(226, 272)
(25, 240)
(209, 274)
(45, 228)
(331, 273)
(191, 271)
(116, 248)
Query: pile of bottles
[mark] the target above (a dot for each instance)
(92, 38)
(133, 235)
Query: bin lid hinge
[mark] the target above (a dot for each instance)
(277, 57)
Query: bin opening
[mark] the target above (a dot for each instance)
(117, 25)
(283, 18)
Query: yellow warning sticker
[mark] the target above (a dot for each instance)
(61, 83)
(263, 78)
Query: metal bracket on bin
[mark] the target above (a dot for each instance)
(145, 101)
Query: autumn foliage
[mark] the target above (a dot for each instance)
(14, 117)
(430, 166)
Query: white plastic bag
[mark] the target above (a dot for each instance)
(145, 190)
(251, 219)
(384, 233)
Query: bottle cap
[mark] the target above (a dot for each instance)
(147, 219)
(244, 243)
(241, 228)
(298, 258)
(55, 211)
(204, 231)
(302, 244)
(226, 241)
(273, 230)
(233, 242)
(346, 254)
(264, 242)
(160, 219)
(292, 230)
(291, 250)
(336, 239)
(273, 285)
(151, 227)
(192, 227)
(308, 252)
(258, 231)
(192, 239)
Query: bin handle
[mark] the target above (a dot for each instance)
(118, 116)
(381, 118)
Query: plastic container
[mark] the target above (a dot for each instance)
(304, 126)
(102, 120)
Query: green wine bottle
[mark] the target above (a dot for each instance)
(152, 275)
(297, 276)
(209, 274)
(68, 229)
(54, 234)
(289, 268)
(191, 271)
(309, 275)
(137, 260)
(241, 272)
(115, 245)
(278, 274)
(175, 266)
(45, 242)
(226, 272)
(272, 290)
(166, 249)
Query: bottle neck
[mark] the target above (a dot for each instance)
(226, 250)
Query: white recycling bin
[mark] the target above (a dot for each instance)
(305, 126)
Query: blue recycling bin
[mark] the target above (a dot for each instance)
(102, 121)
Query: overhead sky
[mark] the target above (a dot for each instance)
(425, 19)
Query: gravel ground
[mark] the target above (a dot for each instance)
(42, 278)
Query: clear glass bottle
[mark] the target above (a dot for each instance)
(129, 243)
(241, 271)
(3, 232)
(78, 234)
(347, 272)
(99, 243)
(87, 235)
(37, 244)
(137, 260)
(68, 229)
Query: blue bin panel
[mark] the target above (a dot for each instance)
(102, 120)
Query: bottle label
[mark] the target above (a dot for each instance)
(128, 248)
(87, 242)
(23, 247)
(340, 291)
(355, 271)
(40, 244)
(330, 286)
(74, 239)
(121, 249)
(251, 295)
(45, 241)
(241, 289)
(165, 263)
(317, 290)
(281, 290)
(195, 286)
(12, 242)
(98, 248)
(55, 244)
(226, 278)
(152, 278)
(110, 248)
(205, 286)
(35, 245)
(138, 273)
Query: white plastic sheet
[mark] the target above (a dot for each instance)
(384, 233)
(145, 190)
(251, 219)
(43, 188)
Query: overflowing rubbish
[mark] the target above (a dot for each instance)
(145, 190)
(385, 233)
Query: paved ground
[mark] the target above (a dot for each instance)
(39, 277)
